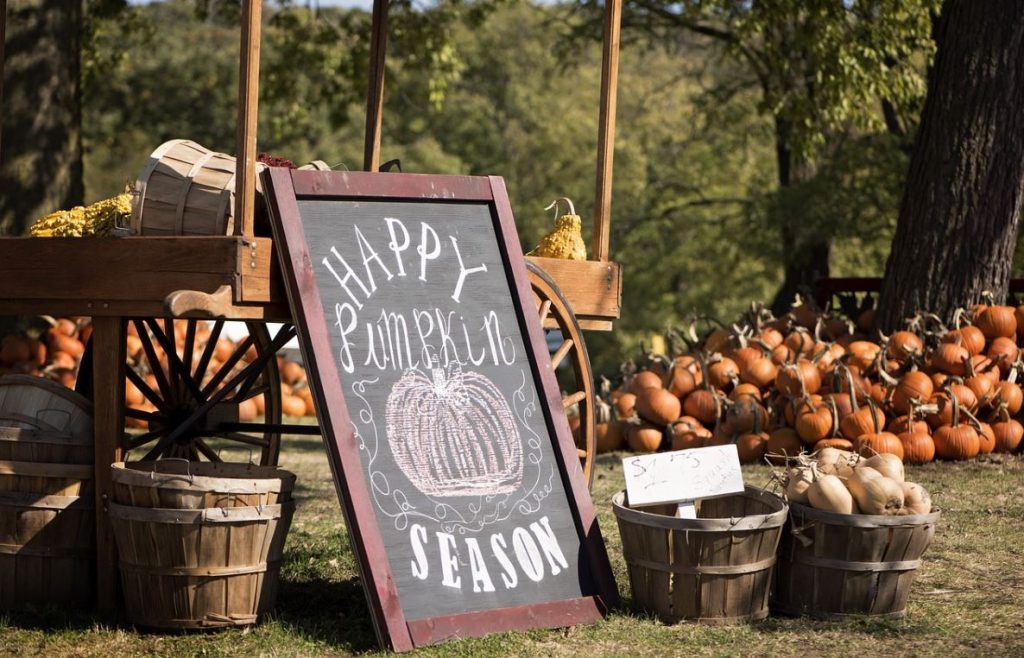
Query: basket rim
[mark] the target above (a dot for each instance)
(237, 478)
(753, 522)
(864, 520)
(49, 386)
(202, 516)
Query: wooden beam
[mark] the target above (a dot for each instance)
(606, 129)
(3, 38)
(375, 91)
(108, 366)
(248, 101)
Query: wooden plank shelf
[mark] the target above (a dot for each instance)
(133, 276)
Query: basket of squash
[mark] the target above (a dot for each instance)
(854, 538)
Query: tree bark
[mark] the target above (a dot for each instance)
(958, 222)
(805, 250)
(41, 156)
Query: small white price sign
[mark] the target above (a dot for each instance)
(682, 476)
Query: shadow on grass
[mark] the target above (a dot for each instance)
(335, 613)
(52, 618)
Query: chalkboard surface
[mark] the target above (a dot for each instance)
(445, 400)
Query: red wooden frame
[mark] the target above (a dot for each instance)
(284, 187)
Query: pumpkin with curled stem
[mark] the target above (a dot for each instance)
(452, 433)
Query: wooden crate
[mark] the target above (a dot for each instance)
(838, 565)
(592, 288)
(713, 569)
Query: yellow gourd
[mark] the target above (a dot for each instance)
(566, 240)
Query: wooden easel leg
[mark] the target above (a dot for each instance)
(108, 366)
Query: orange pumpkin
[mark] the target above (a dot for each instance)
(702, 405)
(986, 437)
(643, 437)
(918, 447)
(997, 321)
(752, 447)
(783, 442)
(1008, 435)
(878, 443)
(291, 405)
(915, 385)
(657, 405)
(760, 373)
(644, 379)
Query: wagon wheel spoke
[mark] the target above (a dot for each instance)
(561, 352)
(228, 365)
(154, 362)
(206, 450)
(139, 414)
(190, 345)
(554, 311)
(575, 398)
(545, 309)
(144, 387)
(211, 345)
(247, 439)
(142, 439)
(174, 363)
(251, 393)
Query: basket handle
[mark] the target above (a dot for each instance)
(188, 469)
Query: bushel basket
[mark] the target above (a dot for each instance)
(713, 569)
(836, 565)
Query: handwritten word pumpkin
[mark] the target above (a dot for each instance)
(452, 434)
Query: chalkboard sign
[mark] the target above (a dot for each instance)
(453, 458)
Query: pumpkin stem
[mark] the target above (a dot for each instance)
(568, 202)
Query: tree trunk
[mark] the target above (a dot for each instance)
(958, 222)
(41, 149)
(805, 250)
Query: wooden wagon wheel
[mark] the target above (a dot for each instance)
(194, 397)
(556, 314)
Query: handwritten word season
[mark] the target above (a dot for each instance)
(433, 335)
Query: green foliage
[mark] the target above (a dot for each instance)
(697, 211)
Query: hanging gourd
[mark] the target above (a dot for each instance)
(566, 240)
(452, 433)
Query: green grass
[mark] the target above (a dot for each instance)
(968, 598)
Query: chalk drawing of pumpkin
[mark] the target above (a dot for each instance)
(452, 433)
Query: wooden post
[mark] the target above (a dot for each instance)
(606, 129)
(3, 38)
(248, 101)
(108, 366)
(375, 92)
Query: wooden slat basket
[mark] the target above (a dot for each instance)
(47, 550)
(838, 565)
(199, 544)
(198, 569)
(178, 484)
(47, 521)
(713, 569)
(187, 189)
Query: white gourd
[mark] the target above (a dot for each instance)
(828, 493)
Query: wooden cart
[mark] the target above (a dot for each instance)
(149, 282)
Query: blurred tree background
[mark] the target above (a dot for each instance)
(748, 133)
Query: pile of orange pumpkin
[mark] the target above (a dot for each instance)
(777, 387)
(57, 353)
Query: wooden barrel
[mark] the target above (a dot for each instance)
(187, 189)
(178, 484)
(836, 565)
(36, 403)
(44, 446)
(204, 568)
(47, 550)
(713, 569)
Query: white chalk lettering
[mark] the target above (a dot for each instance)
(370, 256)
(418, 536)
(422, 248)
(345, 353)
(481, 578)
(393, 245)
(528, 555)
(350, 274)
(449, 561)
(549, 545)
(463, 272)
(508, 575)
